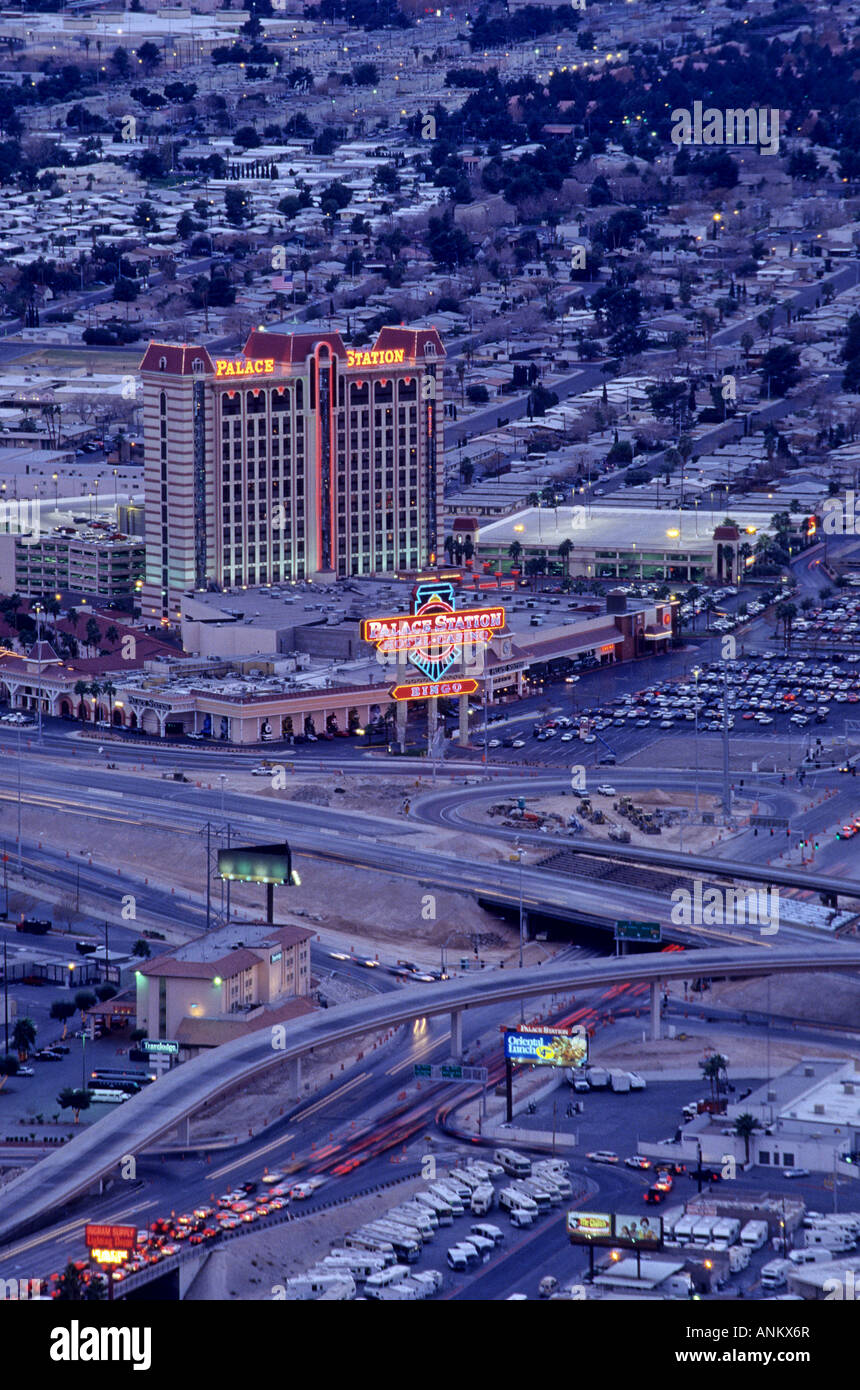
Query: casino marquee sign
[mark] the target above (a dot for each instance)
(433, 637)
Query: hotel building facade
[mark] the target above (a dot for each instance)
(301, 459)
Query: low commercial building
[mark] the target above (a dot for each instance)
(231, 981)
(615, 542)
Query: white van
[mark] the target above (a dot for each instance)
(488, 1231)
(457, 1260)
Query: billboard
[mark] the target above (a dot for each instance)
(547, 1047)
(256, 864)
(636, 1231)
(588, 1227)
(110, 1237)
(608, 1228)
(436, 634)
(434, 690)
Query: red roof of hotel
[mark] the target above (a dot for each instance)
(414, 340)
(290, 347)
(178, 358)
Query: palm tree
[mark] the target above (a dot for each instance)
(786, 614)
(71, 1098)
(95, 691)
(109, 689)
(515, 550)
(81, 689)
(111, 635)
(73, 615)
(84, 1000)
(61, 1011)
(564, 551)
(745, 1125)
(713, 1070)
(23, 1037)
(448, 547)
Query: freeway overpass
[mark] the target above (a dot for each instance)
(137, 1124)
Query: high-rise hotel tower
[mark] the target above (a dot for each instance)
(301, 459)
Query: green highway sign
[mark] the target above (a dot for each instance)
(638, 931)
(449, 1071)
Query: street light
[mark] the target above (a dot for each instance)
(696, 673)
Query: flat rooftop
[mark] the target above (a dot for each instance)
(614, 528)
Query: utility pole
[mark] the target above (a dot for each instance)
(5, 997)
(727, 788)
(20, 861)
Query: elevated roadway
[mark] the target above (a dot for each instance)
(141, 1121)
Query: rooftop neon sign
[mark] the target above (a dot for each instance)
(388, 357)
(251, 366)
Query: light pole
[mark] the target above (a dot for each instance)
(519, 850)
(696, 673)
(39, 610)
(222, 778)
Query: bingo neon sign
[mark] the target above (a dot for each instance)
(435, 634)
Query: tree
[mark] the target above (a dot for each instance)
(141, 948)
(786, 613)
(145, 217)
(81, 689)
(515, 550)
(120, 62)
(780, 370)
(448, 245)
(564, 552)
(84, 1000)
(713, 1070)
(94, 632)
(8, 1067)
(745, 1126)
(23, 1037)
(73, 1098)
(61, 1011)
(72, 1288)
(149, 55)
(125, 291)
(237, 206)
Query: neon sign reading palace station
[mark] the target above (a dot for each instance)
(265, 366)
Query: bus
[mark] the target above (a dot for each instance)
(103, 1095)
(129, 1081)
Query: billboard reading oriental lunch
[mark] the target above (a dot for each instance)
(547, 1047)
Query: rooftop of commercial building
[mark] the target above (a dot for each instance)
(600, 527)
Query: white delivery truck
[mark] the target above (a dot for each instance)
(754, 1234)
(619, 1081)
(598, 1078)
